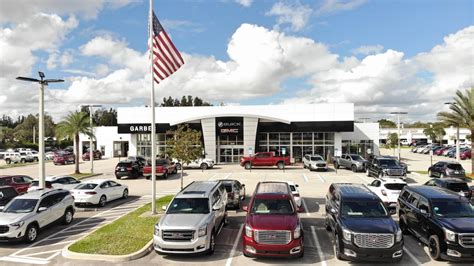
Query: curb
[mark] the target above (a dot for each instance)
(111, 258)
(89, 176)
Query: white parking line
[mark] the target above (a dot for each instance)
(44, 252)
(212, 177)
(318, 246)
(21, 259)
(415, 173)
(234, 247)
(321, 178)
(412, 257)
(305, 207)
(305, 178)
(363, 179)
(227, 176)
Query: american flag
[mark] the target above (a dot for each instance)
(166, 58)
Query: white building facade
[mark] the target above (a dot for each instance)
(230, 132)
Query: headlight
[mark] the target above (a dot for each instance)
(202, 231)
(248, 231)
(157, 230)
(398, 236)
(18, 224)
(450, 235)
(297, 232)
(346, 234)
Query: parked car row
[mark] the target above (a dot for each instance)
(446, 150)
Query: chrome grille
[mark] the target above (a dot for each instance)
(466, 240)
(4, 229)
(374, 240)
(321, 165)
(273, 237)
(395, 171)
(177, 235)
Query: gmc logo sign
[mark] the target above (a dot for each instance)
(229, 126)
(229, 130)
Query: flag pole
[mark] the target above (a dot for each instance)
(152, 107)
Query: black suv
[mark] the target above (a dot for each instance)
(385, 167)
(446, 169)
(453, 184)
(7, 193)
(441, 219)
(363, 228)
(128, 168)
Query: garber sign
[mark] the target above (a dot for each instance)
(229, 125)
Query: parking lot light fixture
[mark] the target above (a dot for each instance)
(91, 142)
(458, 156)
(398, 130)
(43, 82)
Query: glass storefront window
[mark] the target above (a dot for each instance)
(263, 139)
(308, 138)
(284, 138)
(318, 138)
(297, 138)
(274, 138)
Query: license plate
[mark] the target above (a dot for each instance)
(123, 170)
(456, 172)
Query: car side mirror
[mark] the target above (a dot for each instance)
(297, 186)
(245, 208)
(216, 207)
(300, 209)
(243, 185)
(392, 211)
(333, 211)
(42, 209)
(424, 211)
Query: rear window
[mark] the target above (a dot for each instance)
(86, 186)
(124, 164)
(454, 166)
(3, 181)
(35, 183)
(458, 187)
(7, 192)
(395, 186)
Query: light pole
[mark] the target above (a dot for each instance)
(398, 130)
(91, 142)
(42, 83)
(457, 134)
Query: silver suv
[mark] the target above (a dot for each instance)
(25, 215)
(193, 219)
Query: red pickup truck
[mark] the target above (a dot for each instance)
(163, 168)
(264, 159)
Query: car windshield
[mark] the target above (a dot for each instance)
(3, 182)
(228, 187)
(21, 206)
(357, 158)
(86, 186)
(161, 162)
(272, 206)
(35, 183)
(388, 162)
(453, 209)
(189, 205)
(363, 209)
(395, 186)
(316, 158)
(454, 166)
(458, 187)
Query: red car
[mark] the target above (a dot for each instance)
(265, 159)
(63, 157)
(21, 183)
(465, 154)
(164, 167)
(439, 152)
(272, 225)
(87, 156)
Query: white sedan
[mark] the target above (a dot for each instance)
(295, 192)
(388, 190)
(59, 181)
(98, 192)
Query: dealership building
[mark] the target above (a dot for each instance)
(230, 132)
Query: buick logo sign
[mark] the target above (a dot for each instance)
(220, 124)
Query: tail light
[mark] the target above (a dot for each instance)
(129, 168)
(384, 192)
(91, 193)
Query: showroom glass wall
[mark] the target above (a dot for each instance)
(361, 147)
(297, 144)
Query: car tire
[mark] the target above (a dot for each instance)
(118, 177)
(367, 172)
(8, 161)
(212, 244)
(175, 171)
(434, 247)
(326, 225)
(354, 168)
(31, 233)
(280, 165)
(165, 175)
(125, 194)
(204, 166)
(403, 225)
(430, 174)
(178, 166)
(36, 159)
(247, 165)
(337, 247)
(336, 165)
(304, 166)
(68, 216)
(102, 201)
(22, 161)
(380, 175)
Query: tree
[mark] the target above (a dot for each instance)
(74, 124)
(185, 101)
(435, 133)
(24, 131)
(392, 141)
(185, 146)
(385, 123)
(461, 114)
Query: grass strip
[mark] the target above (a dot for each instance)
(14, 165)
(82, 175)
(126, 235)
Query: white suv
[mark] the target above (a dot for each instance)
(199, 163)
(388, 190)
(12, 157)
(25, 215)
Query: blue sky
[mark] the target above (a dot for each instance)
(359, 35)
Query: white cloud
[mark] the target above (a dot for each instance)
(296, 14)
(334, 6)
(181, 25)
(65, 59)
(368, 49)
(245, 3)
(18, 10)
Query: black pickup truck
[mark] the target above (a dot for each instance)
(385, 167)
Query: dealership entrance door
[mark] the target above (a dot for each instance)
(230, 154)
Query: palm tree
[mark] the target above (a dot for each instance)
(74, 124)
(461, 114)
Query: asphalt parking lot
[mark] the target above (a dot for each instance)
(313, 187)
